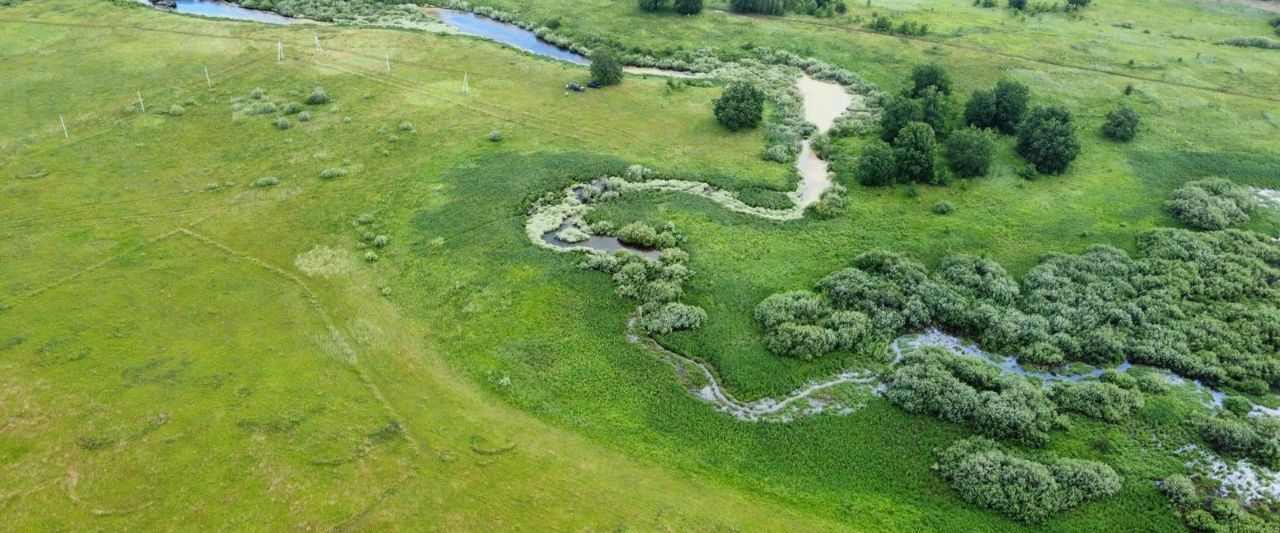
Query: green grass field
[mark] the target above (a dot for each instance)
(176, 354)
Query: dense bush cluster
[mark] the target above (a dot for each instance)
(645, 236)
(1203, 305)
(1022, 489)
(802, 325)
(1000, 109)
(1209, 512)
(1257, 438)
(657, 285)
(974, 393)
(817, 8)
(740, 107)
(1104, 401)
(884, 24)
(1210, 204)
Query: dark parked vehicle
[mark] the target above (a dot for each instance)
(574, 87)
(593, 84)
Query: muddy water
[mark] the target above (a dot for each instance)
(823, 103)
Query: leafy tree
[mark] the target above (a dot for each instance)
(688, 7)
(1077, 4)
(898, 112)
(876, 167)
(1210, 204)
(652, 5)
(929, 75)
(740, 107)
(1047, 139)
(606, 69)
(913, 152)
(935, 110)
(1000, 109)
(1011, 104)
(1018, 4)
(1121, 124)
(969, 152)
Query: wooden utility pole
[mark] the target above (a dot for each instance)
(64, 127)
(387, 56)
(207, 79)
(466, 88)
(279, 51)
(317, 36)
(142, 104)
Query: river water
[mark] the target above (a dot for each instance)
(226, 10)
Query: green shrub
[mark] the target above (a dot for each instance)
(318, 97)
(671, 317)
(1121, 124)
(740, 107)
(1047, 139)
(283, 123)
(291, 108)
(876, 167)
(913, 153)
(261, 108)
(969, 152)
(763, 7)
(606, 68)
(1018, 4)
(943, 207)
(1210, 204)
(1103, 401)
(370, 256)
(1253, 42)
(333, 173)
(381, 241)
(1237, 405)
(832, 202)
(263, 182)
(304, 117)
(257, 93)
(176, 110)
(1181, 492)
(495, 136)
(1025, 490)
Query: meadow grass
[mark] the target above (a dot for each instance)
(467, 335)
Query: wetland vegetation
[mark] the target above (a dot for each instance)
(795, 265)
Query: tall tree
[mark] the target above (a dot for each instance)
(606, 69)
